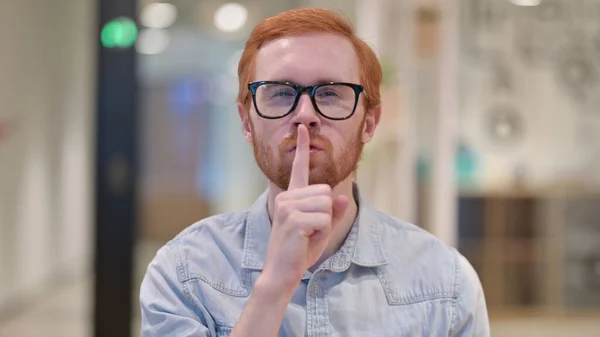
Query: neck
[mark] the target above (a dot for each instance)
(341, 227)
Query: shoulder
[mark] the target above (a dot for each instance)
(216, 226)
(405, 242)
(169, 299)
(421, 264)
(216, 240)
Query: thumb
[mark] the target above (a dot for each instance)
(340, 204)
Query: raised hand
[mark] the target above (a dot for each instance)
(304, 218)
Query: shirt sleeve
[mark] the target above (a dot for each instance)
(166, 306)
(471, 316)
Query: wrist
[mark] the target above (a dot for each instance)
(265, 310)
(275, 289)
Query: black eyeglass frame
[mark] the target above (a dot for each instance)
(311, 90)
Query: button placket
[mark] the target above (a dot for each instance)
(317, 306)
(314, 288)
(311, 306)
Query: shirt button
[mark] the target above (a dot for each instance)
(315, 289)
(341, 261)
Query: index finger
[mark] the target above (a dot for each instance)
(300, 166)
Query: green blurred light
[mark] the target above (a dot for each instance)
(119, 33)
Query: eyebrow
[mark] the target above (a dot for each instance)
(318, 81)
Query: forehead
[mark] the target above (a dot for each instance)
(308, 59)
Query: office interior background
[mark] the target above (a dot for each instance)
(490, 139)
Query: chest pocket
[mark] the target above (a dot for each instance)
(223, 300)
(378, 306)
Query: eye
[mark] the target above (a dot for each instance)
(328, 92)
(283, 93)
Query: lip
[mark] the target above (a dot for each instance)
(313, 148)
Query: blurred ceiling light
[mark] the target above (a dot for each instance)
(158, 15)
(230, 17)
(526, 2)
(152, 41)
(504, 130)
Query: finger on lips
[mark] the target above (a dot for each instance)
(300, 166)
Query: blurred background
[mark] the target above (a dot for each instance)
(118, 129)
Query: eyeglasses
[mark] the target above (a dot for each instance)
(333, 100)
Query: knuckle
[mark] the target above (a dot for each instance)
(284, 208)
(282, 200)
(324, 188)
(324, 201)
(327, 202)
(279, 198)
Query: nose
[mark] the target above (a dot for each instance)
(306, 114)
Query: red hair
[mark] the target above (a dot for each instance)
(303, 21)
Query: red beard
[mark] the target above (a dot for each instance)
(325, 166)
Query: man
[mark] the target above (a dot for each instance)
(310, 257)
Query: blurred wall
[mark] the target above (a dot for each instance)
(46, 110)
(529, 78)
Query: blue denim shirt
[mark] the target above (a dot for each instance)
(389, 278)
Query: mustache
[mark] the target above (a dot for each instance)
(315, 139)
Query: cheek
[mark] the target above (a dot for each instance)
(268, 137)
(348, 135)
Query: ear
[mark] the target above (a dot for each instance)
(371, 121)
(246, 123)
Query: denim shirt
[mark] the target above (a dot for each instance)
(389, 278)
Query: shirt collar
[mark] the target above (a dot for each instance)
(363, 245)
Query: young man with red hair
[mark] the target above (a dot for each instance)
(310, 257)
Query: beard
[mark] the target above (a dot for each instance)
(326, 167)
